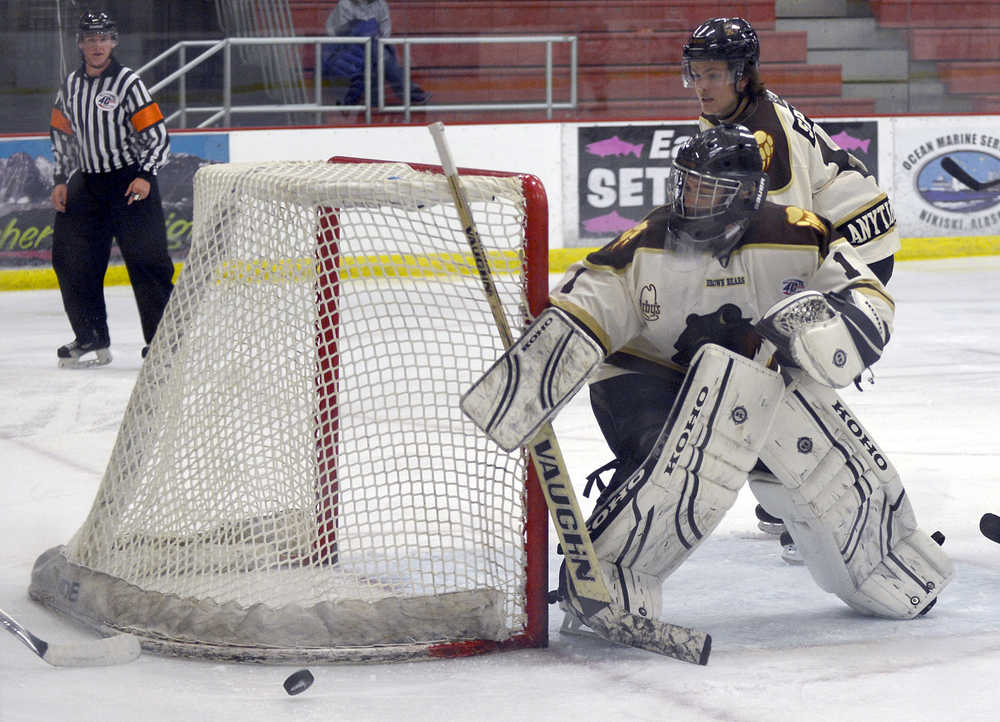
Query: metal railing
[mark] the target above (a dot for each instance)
(225, 111)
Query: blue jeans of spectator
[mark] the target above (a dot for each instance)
(393, 78)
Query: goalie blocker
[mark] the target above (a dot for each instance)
(532, 380)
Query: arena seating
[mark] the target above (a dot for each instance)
(936, 13)
(959, 36)
(628, 53)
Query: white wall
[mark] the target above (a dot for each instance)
(549, 150)
(534, 148)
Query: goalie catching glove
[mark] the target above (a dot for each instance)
(833, 337)
(532, 380)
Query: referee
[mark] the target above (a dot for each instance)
(109, 139)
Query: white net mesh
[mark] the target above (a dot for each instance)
(293, 470)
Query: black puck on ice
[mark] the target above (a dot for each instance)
(989, 525)
(298, 682)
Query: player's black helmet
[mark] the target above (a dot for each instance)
(717, 184)
(731, 39)
(91, 22)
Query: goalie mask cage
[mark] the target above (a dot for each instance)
(293, 479)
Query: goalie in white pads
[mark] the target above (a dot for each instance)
(688, 399)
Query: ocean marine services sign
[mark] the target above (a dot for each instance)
(947, 177)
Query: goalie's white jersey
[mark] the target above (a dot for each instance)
(650, 310)
(806, 168)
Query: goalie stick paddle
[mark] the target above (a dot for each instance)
(615, 624)
(959, 173)
(119, 649)
(989, 525)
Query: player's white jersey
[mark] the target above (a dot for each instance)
(651, 310)
(806, 168)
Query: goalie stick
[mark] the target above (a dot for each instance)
(119, 649)
(989, 525)
(583, 571)
(959, 173)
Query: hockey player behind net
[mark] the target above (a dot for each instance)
(690, 311)
(805, 167)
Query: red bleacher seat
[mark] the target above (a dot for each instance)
(618, 82)
(628, 52)
(936, 13)
(485, 17)
(986, 104)
(970, 77)
(619, 48)
(954, 44)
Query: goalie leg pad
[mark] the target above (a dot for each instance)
(645, 528)
(532, 380)
(843, 504)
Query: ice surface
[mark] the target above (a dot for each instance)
(783, 649)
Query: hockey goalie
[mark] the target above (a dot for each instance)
(714, 336)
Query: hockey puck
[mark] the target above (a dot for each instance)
(298, 682)
(989, 525)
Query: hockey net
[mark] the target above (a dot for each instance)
(293, 479)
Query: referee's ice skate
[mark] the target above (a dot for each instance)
(78, 354)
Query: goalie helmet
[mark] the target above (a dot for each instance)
(717, 184)
(732, 40)
(92, 23)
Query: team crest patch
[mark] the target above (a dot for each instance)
(792, 285)
(648, 306)
(106, 100)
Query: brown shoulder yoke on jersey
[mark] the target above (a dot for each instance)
(762, 118)
(788, 226)
(648, 233)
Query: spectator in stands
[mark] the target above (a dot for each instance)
(805, 167)
(364, 18)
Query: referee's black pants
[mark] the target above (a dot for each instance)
(97, 211)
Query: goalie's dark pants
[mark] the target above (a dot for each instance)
(96, 211)
(631, 410)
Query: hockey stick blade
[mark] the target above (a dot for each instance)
(622, 627)
(989, 525)
(960, 174)
(119, 649)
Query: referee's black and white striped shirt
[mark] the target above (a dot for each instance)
(106, 123)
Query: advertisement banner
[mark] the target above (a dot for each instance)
(948, 177)
(26, 212)
(622, 175)
(860, 139)
(622, 169)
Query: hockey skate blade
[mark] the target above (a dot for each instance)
(101, 357)
(614, 624)
(771, 528)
